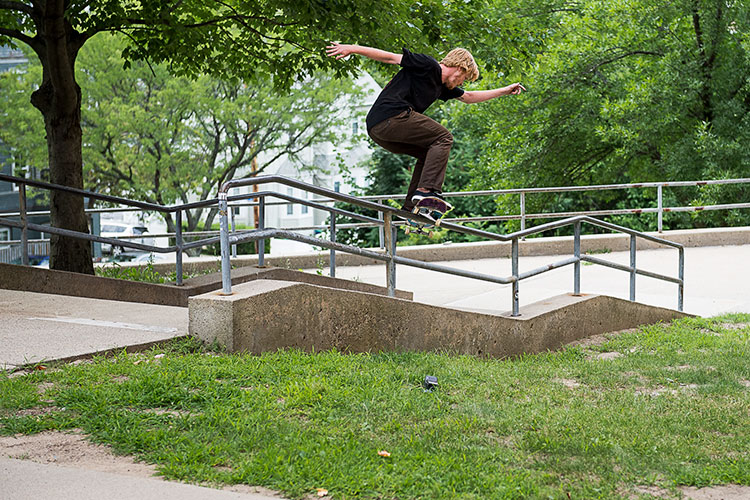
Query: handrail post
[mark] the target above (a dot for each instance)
(514, 265)
(390, 246)
(332, 264)
(234, 229)
(681, 274)
(261, 226)
(226, 264)
(24, 221)
(178, 244)
(381, 232)
(633, 245)
(577, 255)
(660, 209)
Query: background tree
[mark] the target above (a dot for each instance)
(628, 92)
(281, 38)
(164, 139)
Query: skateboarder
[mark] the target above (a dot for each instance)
(396, 122)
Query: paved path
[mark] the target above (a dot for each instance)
(26, 480)
(37, 327)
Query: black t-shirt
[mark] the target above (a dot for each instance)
(416, 86)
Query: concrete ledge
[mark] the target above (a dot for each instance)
(269, 315)
(559, 245)
(32, 279)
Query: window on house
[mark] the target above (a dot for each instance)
(355, 127)
(4, 234)
(305, 208)
(290, 207)
(337, 186)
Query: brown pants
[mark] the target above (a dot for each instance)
(417, 135)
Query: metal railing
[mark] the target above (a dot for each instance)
(390, 231)
(659, 210)
(522, 216)
(385, 220)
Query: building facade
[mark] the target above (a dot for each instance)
(339, 167)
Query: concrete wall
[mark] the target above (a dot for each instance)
(269, 315)
(32, 279)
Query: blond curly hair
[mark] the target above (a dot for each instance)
(462, 58)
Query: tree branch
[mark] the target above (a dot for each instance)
(17, 6)
(623, 56)
(18, 36)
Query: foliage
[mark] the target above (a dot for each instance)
(162, 139)
(671, 410)
(145, 273)
(629, 91)
(236, 41)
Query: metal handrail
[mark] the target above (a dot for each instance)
(660, 209)
(389, 229)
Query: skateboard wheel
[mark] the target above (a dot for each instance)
(437, 222)
(429, 234)
(415, 210)
(407, 230)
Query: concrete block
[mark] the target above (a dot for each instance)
(269, 315)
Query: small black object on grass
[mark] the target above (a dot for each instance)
(429, 383)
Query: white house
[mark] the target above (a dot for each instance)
(352, 151)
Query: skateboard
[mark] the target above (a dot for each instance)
(431, 208)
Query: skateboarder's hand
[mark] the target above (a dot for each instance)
(339, 50)
(515, 89)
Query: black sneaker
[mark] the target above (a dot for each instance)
(419, 195)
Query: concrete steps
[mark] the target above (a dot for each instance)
(267, 315)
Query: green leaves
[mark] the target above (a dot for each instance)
(626, 91)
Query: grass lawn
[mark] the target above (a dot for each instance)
(671, 408)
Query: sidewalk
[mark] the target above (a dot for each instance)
(26, 480)
(37, 327)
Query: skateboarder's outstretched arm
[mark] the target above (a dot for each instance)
(474, 96)
(340, 50)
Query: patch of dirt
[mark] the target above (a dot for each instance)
(596, 340)
(252, 490)
(39, 411)
(735, 326)
(71, 450)
(43, 387)
(652, 491)
(164, 411)
(569, 383)
(663, 390)
(727, 492)
(606, 356)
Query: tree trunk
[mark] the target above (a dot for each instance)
(59, 100)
